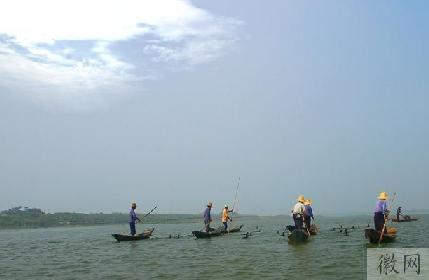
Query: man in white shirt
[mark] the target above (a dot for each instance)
(298, 212)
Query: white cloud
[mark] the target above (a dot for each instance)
(66, 47)
(194, 52)
(46, 21)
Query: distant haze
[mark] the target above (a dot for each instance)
(169, 107)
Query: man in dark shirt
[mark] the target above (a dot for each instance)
(399, 213)
(381, 212)
(308, 213)
(133, 219)
(207, 216)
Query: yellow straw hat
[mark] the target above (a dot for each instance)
(383, 196)
(301, 198)
(308, 202)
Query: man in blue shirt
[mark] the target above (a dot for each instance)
(207, 216)
(133, 219)
(380, 212)
(308, 213)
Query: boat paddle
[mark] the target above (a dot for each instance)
(235, 201)
(386, 219)
(314, 224)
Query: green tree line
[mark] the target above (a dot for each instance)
(24, 217)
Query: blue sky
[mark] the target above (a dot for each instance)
(169, 102)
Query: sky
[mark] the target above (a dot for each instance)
(170, 102)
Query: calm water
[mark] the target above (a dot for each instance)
(91, 253)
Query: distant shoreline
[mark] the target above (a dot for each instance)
(22, 218)
(35, 218)
(45, 220)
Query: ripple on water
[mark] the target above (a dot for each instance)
(91, 253)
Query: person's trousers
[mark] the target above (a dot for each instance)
(133, 228)
(378, 221)
(307, 221)
(298, 221)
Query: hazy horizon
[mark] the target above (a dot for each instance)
(169, 102)
(421, 211)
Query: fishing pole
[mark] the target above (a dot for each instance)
(150, 212)
(236, 194)
(235, 199)
(386, 218)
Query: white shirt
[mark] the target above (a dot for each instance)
(298, 208)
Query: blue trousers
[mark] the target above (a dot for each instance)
(207, 226)
(307, 221)
(133, 228)
(379, 221)
(225, 225)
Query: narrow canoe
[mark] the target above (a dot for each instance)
(126, 237)
(298, 236)
(290, 228)
(403, 220)
(374, 236)
(235, 229)
(314, 230)
(391, 230)
(203, 234)
(217, 232)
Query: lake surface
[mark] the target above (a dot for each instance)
(91, 252)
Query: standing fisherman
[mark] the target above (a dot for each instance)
(308, 213)
(399, 213)
(133, 219)
(225, 216)
(208, 217)
(380, 212)
(298, 212)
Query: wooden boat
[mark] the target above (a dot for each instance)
(218, 232)
(391, 230)
(314, 230)
(374, 236)
(290, 228)
(404, 220)
(235, 229)
(298, 236)
(203, 234)
(126, 237)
